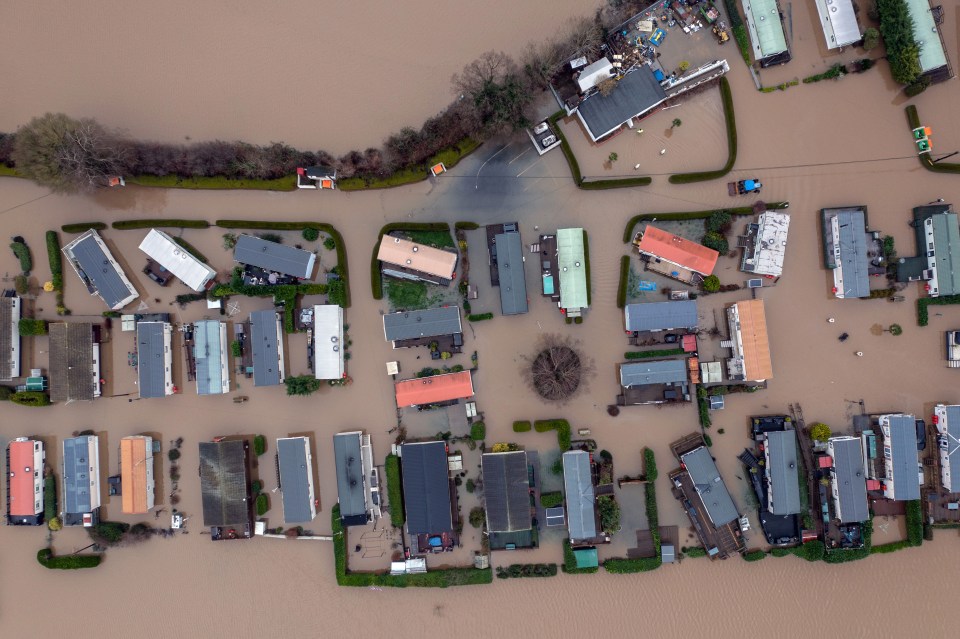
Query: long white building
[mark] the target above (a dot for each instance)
(161, 248)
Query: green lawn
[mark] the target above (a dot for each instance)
(439, 239)
(406, 295)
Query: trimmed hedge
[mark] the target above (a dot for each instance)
(285, 183)
(754, 555)
(262, 504)
(562, 427)
(578, 179)
(22, 251)
(30, 398)
(665, 352)
(82, 227)
(391, 467)
(526, 570)
(259, 445)
(56, 263)
(466, 226)
(191, 249)
(376, 277)
(47, 559)
(586, 265)
(739, 30)
(161, 222)
(478, 431)
(479, 317)
(731, 120)
(28, 327)
(49, 497)
(551, 499)
(522, 427)
(692, 215)
(913, 118)
(923, 315)
(624, 279)
(695, 551)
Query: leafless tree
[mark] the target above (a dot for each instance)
(491, 66)
(541, 60)
(558, 370)
(584, 37)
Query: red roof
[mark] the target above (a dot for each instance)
(23, 498)
(689, 343)
(430, 390)
(825, 461)
(873, 484)
(678, 250)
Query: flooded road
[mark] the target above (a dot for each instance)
(833, 143)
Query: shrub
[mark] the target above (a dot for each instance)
(903, 53)
(471, 485)
(914, 523)
(719, 221)
(30, 398)
(173, 454)
(916, 88)
(871, 38)
(311, 234)
(466, 226)
(160, 222)
(716, 241)
(730, 118)
(263, 504)
(521, 426)
(609, 514)
(21, 284)
(68, 562)
(32, 327)
(49, 497)
(663, 352)
(6, 392)
(624, 281)
(302, 385)
(707, 440)
(479, 317)
(781, 552)
(812, 550)
(478, 431)
(551, 499)
(562, 427)
(108, 533)
(695, 551)
(236, 348)
(754, 555)
(259, 445)
(83, 227)
(22, 251)
(394, 490)
(624, 566)
(557, 467)
(711, 283)
(478, 517)
(820, 432)
(526, 570)
(256, 487)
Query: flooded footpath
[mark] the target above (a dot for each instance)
(816, 146)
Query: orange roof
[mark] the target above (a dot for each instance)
(430, 390)
(20, 473)
(133, 474)
(426, 259)
(678, 250)
(757, 365)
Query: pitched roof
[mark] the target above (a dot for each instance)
(154, 359)
(351, 490)
(572, 263)
(210, 355)
(417, 257)
(849, 482)
(647, 372)
(22, 463)
(81, 474)
(709, 485)
(224, 483)
(678, 250)
(506, 491)
(946, 238)
(932, 55)
(272, 256)
(136, 474)
(9, 337)
(948, 425)
(903, 455)
(295, 466)
(661, 316)
(757, 363)
(71, 361)
(848, 249)
(97, 264)
(634, 94)
(578, 486)
(430, 390)
(513, 284)
(328, 347)
(173, 257)
(426, 487)
(266, 348)
(431, 322)
(839, 22)
(766, 30)
(782, 471)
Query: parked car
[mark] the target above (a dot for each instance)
(540, 128)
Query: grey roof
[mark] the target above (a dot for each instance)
(854, 260)
(151, 367)
(783, 471)
(295, 479)
(77, 496)
(513, 284)
(506, 491)
(9, 336)
(272, 256)
(431, 322)
(953, 447)
(713, 492)
(71, 361)
(638, 91)
(320, 172)
(224, 483)
(903, 454)
(101, 270)
(646, 372)
(266, 348)
(849, 482)
(578, 486)
(208, 351)
(661, 316)
(426, 488)
(350, 487)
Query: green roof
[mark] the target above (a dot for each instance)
(573, 268)
(586, 557)
(932, 55)
(766, 30)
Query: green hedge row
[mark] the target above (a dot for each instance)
(624, 279)
(754, 555)
(586, 264)
(450, 157)
(695, 552)
(522, 427)
(665, 352)
(376, 277)
(56, 264)
(30, 398)
(68, 562)
(562, 427)
(191, 249)
(937, 167)
(620, 565)
(731, 120)
(162, 222)
(217, 182)
(923, 315)
(82, 227)
(391, 467)
(479, 317)
(22, 251)
(514, 571)
(49, 497)
(578, 179)
(691, 215)
(466, 226)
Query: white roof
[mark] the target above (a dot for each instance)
(771, 244)
(328, 341)
(592, 74)
(171, 256)
(839, 22)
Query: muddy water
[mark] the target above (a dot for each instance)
(835, 143)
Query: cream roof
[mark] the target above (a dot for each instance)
(426, 259)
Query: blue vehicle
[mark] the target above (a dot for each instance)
(744, 187)
(657, 37)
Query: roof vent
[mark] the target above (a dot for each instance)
(416, 248)
(334, 339)
(396, 240)
(409, 262)
(336, 349)
(577, 264)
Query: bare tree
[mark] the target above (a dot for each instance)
(584, 38)
(541, 61)
(492, 66)
(494, 88)
(559, 370)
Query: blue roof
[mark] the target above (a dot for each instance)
(79, 481)
(902, 442)
(661, 316)
(294, 466)
(151, 359)
(266, 348)
(513, 286)
(647, 372)
(208, 351)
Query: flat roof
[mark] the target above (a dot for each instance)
(24, 458)
(770, 245)
(766, 30)
(154, 359)
(849, 482)
(272, 256)
(81, 474)
(351, 489)
(572, 267)
(634, 94)
(430, 322)
(426, 487)
(167, 253)
(430, 390)
(902, 442)
(646, 372)
(783, 471)
(845, 233)
(679, 250)
(578, 486)
(264, 331)
(757, 363)
(586, 557)
(328, 346)
(417, 257)
(210, 354)
(10, 312)
(932, 55)
(709, 485)
(295, 466)
(90, 254)
(506, 491)
(136, 474)
(661, 316)
(224, 483)
(71, 361)
(513, 284)
(839, 23)
(594, 73)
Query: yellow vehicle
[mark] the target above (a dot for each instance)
(721, 33)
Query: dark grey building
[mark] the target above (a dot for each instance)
(81, 480)
(426, 488)
(506, 491)
(100, 272)
(710, 487)
(513, 284)
(225, 488)
(645, 372)
(266, 343)
(295, 467)
(661, 316)
(902, 481)
(636, 93)
(579, 494)
(782, 472)
(154, 359)
(848, 483)
(72, 370)
(271, 256)
(431, 322)
(845, 250)
(351, 481)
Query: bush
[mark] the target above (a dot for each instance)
(834, 72)
(263, 504)
(624, 566)
(256, 487)
(259, 445)
(521, 427)
(754, 555)
(526, 570)
(160, 222)
(731, 121)
(108, 533)
(551, 499)
(83, 227)
(820, 432)
(711, 283)
(478, 431)
(236, 348)
(394, 490)
(719, 222)
(6, 392)
(562, 427)
(478, 517)
(32, 327)
(914, 523)
(781, 552)
(22, 251)
(716, 241)
(871, 38)
(311, 234)
(466, 226)
(470, 485)
(173, 454)
(695, 551)
(68, 562)
(609, 514)
(479, 317)
(30, 398)
(302, 385)
(21, 284)
(903, 53)
(663, 352)
(916, 88)
(812, 550)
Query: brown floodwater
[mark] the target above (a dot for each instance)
(820, 145)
